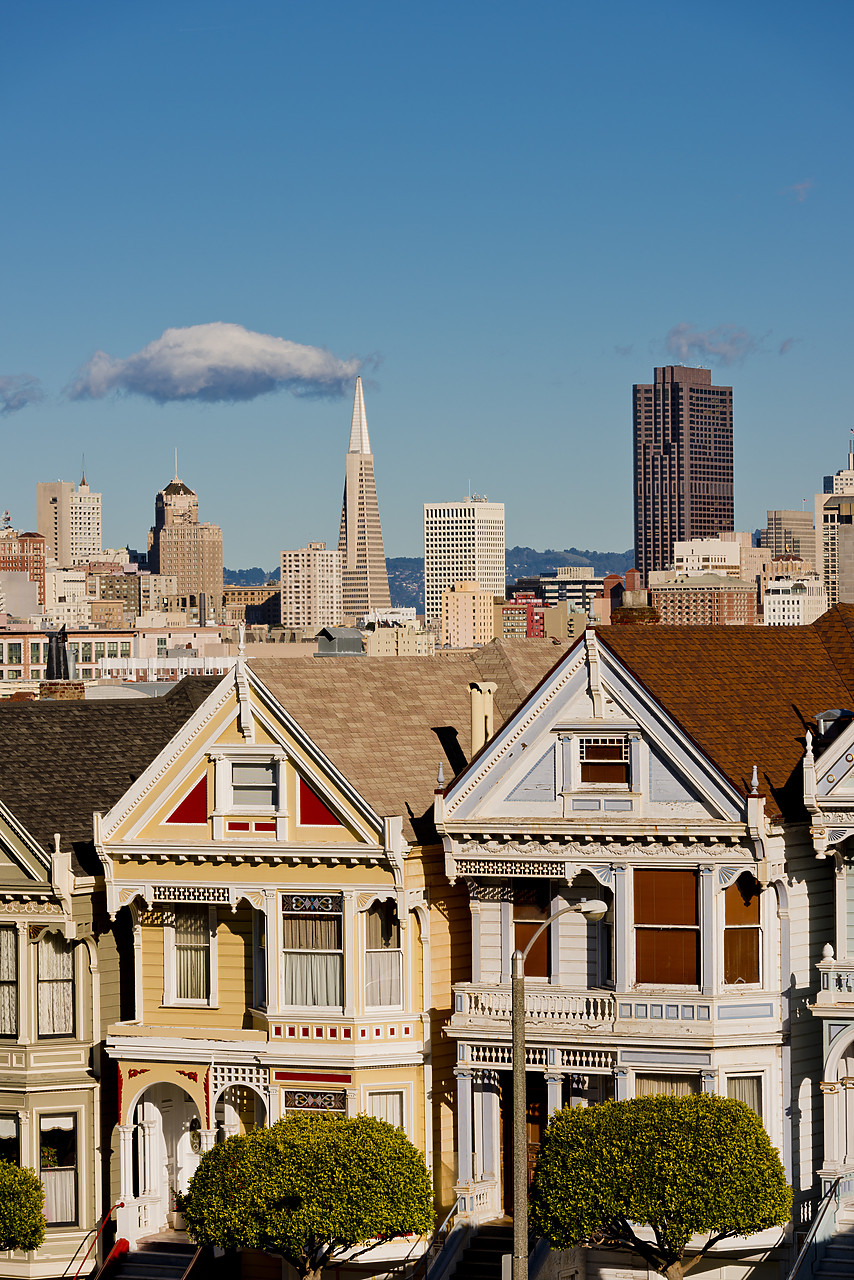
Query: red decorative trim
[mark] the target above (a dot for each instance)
(237, 826)
(193, 809)
(191, 1075)
(138, 1071)
(311, 1077)
(312, 810)
(265, 826)
(207, 1099)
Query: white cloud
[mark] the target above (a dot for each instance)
(17, 391)
(726, 344)
(216, 362)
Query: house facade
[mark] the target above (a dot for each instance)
(659, 771)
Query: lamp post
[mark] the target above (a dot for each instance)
(593, 910)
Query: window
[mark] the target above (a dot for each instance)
(58, 1168)
(10, 1142)
(35, 651)
(387, 1106)
(675, 1086)
(528, 915)
(382, 955)
(192, 954)
(86, 651)
(124, 648)
(741, 931)
(99, 651)
(746, 1089)
(8, 981)
(13, 653)
(313, 960)
(605, 760)
(667, 933)
(112, 649)
(255, 785)
(56, 986)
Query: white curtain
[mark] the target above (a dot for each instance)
(313, 963)
(192, 950)
(8, 982)
(386, 1106)
(382, 978)
(56, 986)
(60, 1194)
(676, 1086)
(746, 1089)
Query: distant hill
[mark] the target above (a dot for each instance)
(406, 573)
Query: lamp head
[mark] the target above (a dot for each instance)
(594, 909)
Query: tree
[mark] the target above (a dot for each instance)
(678, 1166)
(22, 1221)
(310, 1188)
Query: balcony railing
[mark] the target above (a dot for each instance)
(548, 1006)
(837, 980)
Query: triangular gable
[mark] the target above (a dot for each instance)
(313, 812)
(834, 768)
(22, 860)
(591, 695)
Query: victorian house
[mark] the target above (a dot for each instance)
(668, 772)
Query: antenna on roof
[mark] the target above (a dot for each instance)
(176, 464)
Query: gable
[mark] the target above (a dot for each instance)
(591, 745)
(22, 863)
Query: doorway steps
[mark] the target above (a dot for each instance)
(155, 1260)
(481, 1259)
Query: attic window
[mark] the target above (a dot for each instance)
(605, 760)
(255, 784)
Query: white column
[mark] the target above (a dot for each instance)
(351, 951)
(554, 1093)
(147, 1140)
(622, 929)
(707, 930)
(208, 1137)
(708, 1079)
(27, 999)
(832, 1099)
(272, 937)
(126, 1161)
(464, 1127)
(490, 1122)
(621, 1081)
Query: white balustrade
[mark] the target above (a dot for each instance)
(549, 1006)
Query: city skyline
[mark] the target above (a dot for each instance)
(218, 282)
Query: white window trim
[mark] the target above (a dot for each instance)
(224, 806)
(393, 1086)
(170, 999)
(402, 951)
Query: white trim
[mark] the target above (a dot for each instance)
(170, 999)
(392, 1086)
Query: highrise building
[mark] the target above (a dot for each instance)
(69, 520)
(467, 615)
(360, 541)
(834, 535)
(182, 548)
(312, 587)
(463, 542)
(790, 533)
(683, 463)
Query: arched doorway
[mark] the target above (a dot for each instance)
(238, 1109)
(168, 1141)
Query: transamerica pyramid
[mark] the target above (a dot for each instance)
(361, 538)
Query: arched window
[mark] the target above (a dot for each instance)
(741, 931)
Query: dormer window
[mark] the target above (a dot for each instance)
(605, 761)
(255, 784)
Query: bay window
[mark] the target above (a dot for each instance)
(313, 949)
(383, 957)
(667, 929)
(10, 1142)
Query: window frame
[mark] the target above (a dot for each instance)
(74, 1116)
(749, 1075)
(638, 927)
(748, 927)
(171, 999)
(607, 741)
(57, 1035)
(224, 805)
(16, 983)
(288, 909)
(397, 950)
(15, 1117)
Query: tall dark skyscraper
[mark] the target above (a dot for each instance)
(683, 463)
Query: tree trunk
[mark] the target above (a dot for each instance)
(673, 1271)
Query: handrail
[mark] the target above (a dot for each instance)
(823, 1206)
(192, 1263)
(120, 1204)
(436, 1234)
(119, 1249)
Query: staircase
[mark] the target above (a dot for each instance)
(837, 1257)
(482, 1257)
(155, 1260)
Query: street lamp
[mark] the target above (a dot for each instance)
(592, 910)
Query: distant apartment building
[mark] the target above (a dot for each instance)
(137, 591)
(794, 602)
(578, 585)
(407, 641)
(23, 652)
(789, 533)
(256, 606)
(683, 463)
(704, 600)
(466, 615)
(463, 542)
(312, 587)
(732, 554)
(364, 580)
(24, 553)
(181, 547)
(69, 520)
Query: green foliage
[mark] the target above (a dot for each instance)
(308, 1186)
(699, 1164)
(22, 1222)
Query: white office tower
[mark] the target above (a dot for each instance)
(69, 519)
(312, 594)
(463, 542)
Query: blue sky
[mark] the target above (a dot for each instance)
(499, 211)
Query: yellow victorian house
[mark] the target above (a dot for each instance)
(294, 937)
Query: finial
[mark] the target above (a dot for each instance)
(808, 741)
(83, 470)
(241, 639)
(57, 838)
(440, 776)
(754, 782)
(176, 464)
(827, 952)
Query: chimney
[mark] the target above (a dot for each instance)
(481, 713)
